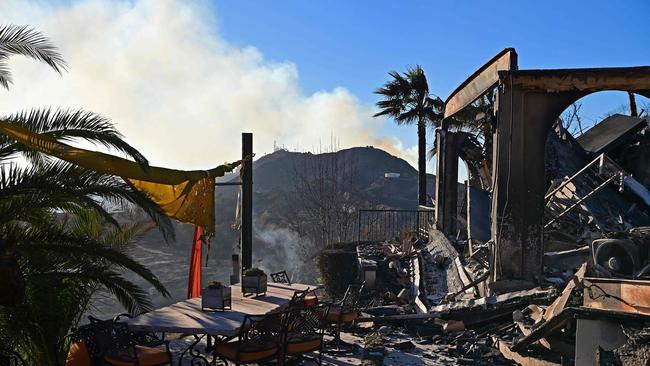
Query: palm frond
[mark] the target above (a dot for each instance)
(25, 41)
(68, 125)
(27, 192)
(5, 72)
(66, 251)
(132, 297)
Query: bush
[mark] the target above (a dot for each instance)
(213, 285)
(254, 271)
(338, 268)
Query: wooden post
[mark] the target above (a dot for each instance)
(468, 206)
(247, 202)
(234, 277)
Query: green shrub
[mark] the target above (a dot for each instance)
(254, 271)
(338, 268)
(214, 285)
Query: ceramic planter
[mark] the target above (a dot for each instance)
(216, 299)
(254, 285)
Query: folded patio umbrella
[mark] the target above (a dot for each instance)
(186, 195)
(194, 277)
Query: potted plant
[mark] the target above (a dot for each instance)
(253, 282)
(216, 296)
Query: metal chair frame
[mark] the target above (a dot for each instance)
(309, 322)
(281, 277)
(258, 328)
(113, 338)
(298, 298)
(349, 303)
(9, 357)
(148, 339)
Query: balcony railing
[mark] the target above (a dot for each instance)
(379, 225)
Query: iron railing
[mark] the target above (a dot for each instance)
(379, 225)
(583, 185)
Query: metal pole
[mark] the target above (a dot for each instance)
(247, 202)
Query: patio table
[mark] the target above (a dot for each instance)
(187, 317)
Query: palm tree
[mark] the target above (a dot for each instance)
(65, 262)
(46, 210)
(406, 99)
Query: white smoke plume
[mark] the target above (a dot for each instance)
(177, 90)
(282, 252)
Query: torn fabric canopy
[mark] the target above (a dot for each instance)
(186, 195)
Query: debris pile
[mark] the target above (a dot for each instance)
(589, 305)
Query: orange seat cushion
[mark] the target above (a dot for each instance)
(311, 300)
(248, 351)
(78, 355)
(147, 356)
(301, 344)
(334, 315)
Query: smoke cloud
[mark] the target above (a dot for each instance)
(177, 90)
(282, 251)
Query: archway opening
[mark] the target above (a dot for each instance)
(596, 163)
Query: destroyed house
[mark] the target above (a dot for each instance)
(544, 253)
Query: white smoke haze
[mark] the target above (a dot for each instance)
(176, 89)
(283, 248)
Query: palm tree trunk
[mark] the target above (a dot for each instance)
(422, 163)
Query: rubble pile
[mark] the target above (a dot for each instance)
(545, 325)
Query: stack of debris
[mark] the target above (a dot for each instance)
(598, 313)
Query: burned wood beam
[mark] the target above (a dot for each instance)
(633, 79)
(480, 81)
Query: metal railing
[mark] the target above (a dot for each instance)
(379, 225)
(583, 185)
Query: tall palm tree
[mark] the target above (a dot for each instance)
(44, 205)
(406, 99)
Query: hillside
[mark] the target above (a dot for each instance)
(275, 246)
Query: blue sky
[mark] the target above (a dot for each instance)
(194, 74)
(354, 43)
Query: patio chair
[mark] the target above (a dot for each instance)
(148, 339)
(83, 347)
(117, 346)
(345, 311)
(259, 340)
(304, 329)
(280, 277)
(298, 298)
(10, 357)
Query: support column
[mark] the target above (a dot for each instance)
(446, 210)
(247, 202)
(524, 121)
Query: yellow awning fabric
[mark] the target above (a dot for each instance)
(186, 195)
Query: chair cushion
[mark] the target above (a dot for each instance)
(249, 351)
(334, 315)
(299, 343)
(147, 356)
(78, 355)
(311, 300)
